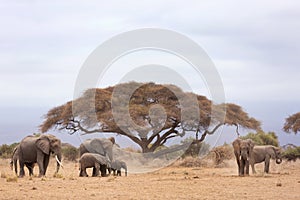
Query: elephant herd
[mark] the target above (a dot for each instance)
(247, 153)
(94, 153)
(97, 153)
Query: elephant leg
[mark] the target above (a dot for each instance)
(96, 169)
(40, 162)
(238, 163)
(16, 166)
(119, 172)
(30, 168)
(247, 167)
(46, 162)
(253, 169)
(103, 170)
(267, 165)
(22, 173)
(242, 168)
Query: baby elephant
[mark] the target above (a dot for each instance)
(95, 161)
(116, 166)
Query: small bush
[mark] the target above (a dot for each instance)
(291, 153)
(12, 179)
(7, 150)
(222, 153)
(69, 152)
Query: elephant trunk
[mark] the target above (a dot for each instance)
(58, 161)
(244, 156)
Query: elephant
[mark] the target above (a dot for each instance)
(265, 153)
(116, 165)
(102, 146)
(15, 158)
(94, 160)
(33, 149)
(243, 150)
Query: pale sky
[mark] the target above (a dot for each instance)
(255, 47)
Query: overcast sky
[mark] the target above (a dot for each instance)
(255, 47)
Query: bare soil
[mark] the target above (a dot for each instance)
(169, 183)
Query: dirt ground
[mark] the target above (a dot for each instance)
(167, 183)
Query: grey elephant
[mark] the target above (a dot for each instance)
(95, 161)
(14, 162)
(117, 165)
(102, 146)
(34, 149)
(243, 149)
(263, 154)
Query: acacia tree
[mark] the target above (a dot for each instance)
(292, 123)
(152, 115)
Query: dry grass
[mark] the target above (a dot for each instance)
(174, 182)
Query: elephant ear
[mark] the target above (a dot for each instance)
(97, 146)
(43, 144)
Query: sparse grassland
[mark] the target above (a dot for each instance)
(174, 182)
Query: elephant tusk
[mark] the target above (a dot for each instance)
(59, 161)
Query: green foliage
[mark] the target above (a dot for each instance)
(262, 138)
(291, 153)
(69, 152)
(7, 150)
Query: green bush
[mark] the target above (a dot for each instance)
(291, 153)
(7, 150)
(69, 152)
(262, 138)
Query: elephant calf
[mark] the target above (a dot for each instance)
(95, 161)
(116, 166)
(263, 154)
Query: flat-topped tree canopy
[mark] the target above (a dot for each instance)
(149, 114)
(292, 123)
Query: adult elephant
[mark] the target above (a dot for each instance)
(243, 150)
(102, 146)
(34, 149)
(263, 154)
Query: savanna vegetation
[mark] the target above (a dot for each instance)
(150, 116)
(292, 123)
(262, 138)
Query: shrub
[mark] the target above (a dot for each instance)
(222, 153)
(7, 150)
(69, 152)
(262, 138)
(291, 153)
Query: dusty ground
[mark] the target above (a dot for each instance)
(168, 183)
